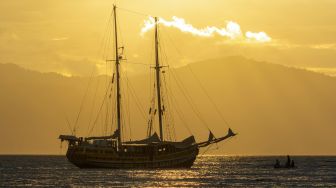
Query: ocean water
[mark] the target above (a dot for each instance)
(208, 171)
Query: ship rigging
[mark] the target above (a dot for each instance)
(155, 151)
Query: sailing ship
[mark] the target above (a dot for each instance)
(152, 152)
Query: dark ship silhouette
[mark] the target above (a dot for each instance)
(151, 152)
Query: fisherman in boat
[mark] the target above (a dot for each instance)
(288, 163)
(277, 163)
(292, 164)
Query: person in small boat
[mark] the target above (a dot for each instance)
(277, 163)
(292, 164)
(288, 163)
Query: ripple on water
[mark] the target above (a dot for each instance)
(215, 171)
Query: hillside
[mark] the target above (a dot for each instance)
(269, 105)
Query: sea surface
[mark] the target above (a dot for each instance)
(208, 171)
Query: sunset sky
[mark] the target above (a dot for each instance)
(226, 42)
(67, 36)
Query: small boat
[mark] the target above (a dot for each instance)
(290, 164)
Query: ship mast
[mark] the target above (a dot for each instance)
(157, 68)
(118, 76)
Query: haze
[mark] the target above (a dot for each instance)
(283, 106)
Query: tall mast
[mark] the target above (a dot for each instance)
(157, 68)
(118, 75)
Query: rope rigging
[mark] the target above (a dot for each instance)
(199, 83)
(99, 111)
(169, 118)
(207, 94)
(169, 95)
(93, 105)
(152, 113)
(82, 103)
(168, 99)
(134, 12)
(188, 98)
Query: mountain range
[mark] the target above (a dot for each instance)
(275, 109)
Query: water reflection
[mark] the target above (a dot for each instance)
(214, 171)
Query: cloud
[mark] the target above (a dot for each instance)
(330, 71)
(260, 36)
(324, 46)
(231, 31)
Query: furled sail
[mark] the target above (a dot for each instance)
(68, 138)
(212, 139)
(115, 135)
(152, 139)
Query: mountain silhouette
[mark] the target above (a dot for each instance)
(274, 108)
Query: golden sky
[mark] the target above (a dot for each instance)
(265, 103)
(68, 36)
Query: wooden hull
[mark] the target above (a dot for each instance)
(84, 157)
